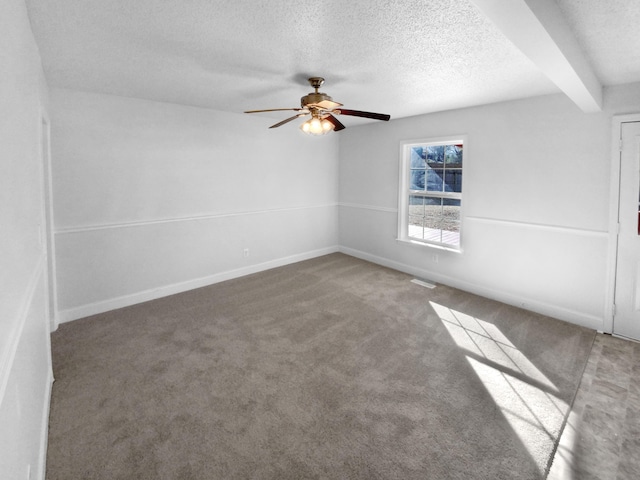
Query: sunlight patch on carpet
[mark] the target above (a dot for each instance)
(525, 396)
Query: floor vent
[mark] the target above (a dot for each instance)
(424, 283)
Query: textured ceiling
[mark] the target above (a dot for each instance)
(402, 57)
(609, 32)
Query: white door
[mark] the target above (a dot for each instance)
(626, 320)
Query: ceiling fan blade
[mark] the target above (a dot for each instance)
(327, 104)
(358, 113)
(337, 125)
(274, 110)
(288, 120)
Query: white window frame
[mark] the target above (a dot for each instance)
(404, 191)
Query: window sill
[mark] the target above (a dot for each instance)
(434, 246)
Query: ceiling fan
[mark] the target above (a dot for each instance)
(322, 110)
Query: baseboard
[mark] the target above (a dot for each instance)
(555, 311)
(144, 296)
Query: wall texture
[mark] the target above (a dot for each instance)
(25, 365)
(154, 198)
(535, 203)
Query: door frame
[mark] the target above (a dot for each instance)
(614, 211)
(47, 218)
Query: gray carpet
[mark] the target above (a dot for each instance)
(332, 368)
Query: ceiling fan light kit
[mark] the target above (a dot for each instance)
(317, 126)
(322, 109)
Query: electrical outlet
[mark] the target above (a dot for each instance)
(245, 253)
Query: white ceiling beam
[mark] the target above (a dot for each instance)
(538, 29)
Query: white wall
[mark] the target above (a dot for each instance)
(25, 367)
(535, 203)
(155, 198)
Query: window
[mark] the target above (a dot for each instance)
(431, 192)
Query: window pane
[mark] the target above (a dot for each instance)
(433, 212)
(418, 155)
(451, 221)
(453, 180)
(417, 180)
(453, 202)
(453, 155)
(451, 214)
(416, 217)
(435, 180)
(435, 154)
(416, 205)
(433, 219)
(416, 230)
